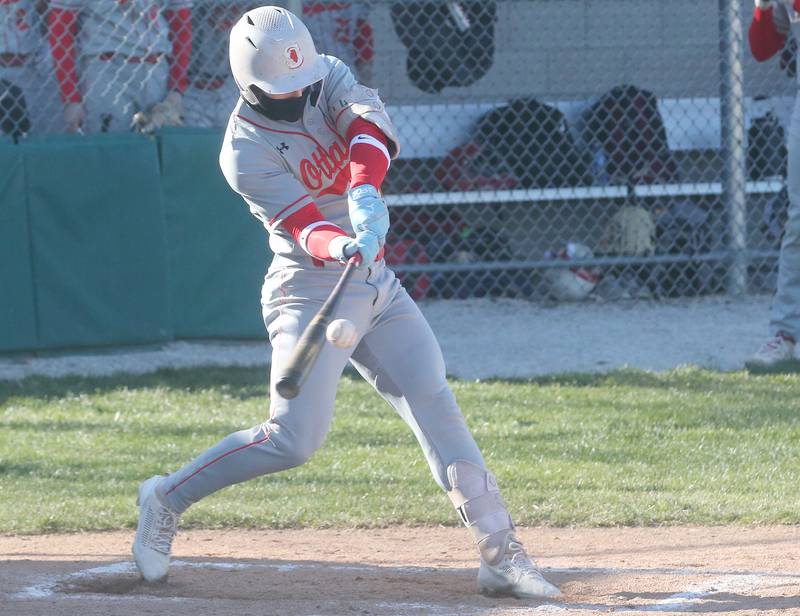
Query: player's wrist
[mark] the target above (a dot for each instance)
(337, 247)
(764, 5)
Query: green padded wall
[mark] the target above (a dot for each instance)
(17, 305)
(97, 240)
(217, 250)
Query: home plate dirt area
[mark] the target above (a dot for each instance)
(399, 571)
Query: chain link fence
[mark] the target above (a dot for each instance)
(551, 150)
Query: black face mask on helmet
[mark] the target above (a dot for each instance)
(282, 110)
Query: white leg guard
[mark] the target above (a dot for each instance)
(477, 499)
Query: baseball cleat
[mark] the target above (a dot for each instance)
(515, 575)
(775, 352)
(154, 533)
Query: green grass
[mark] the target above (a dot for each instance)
(627, 448)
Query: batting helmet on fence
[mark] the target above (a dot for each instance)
(272, 50)
(571, 283)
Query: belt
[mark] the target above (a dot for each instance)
(209, 83)
(13, 59)
(153, 58)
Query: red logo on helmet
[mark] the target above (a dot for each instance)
(294, 59)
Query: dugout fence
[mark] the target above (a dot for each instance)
(550, 150)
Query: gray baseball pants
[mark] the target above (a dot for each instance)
(397, 354)
(786, 303)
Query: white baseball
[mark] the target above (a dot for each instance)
(342, 333)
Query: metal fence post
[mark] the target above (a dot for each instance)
(733, 141)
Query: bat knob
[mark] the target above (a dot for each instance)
(287, 387)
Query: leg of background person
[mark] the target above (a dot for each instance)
(44, 106)
(786, 304)
(196, 102)
(153, 79)
(14, 105)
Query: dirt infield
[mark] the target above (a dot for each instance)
(399, 571)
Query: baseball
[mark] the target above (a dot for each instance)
(342, 333)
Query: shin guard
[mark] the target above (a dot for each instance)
(476, 497)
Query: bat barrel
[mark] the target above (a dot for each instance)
(288, 386)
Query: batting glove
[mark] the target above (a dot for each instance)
(365, 243)
(763, 4)
(168, 112)
(368, 212)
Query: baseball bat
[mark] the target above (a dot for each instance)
(310, 344)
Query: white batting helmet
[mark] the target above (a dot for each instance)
(272, 49)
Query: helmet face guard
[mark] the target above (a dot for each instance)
(271, 49)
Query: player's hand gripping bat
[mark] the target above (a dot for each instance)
(310, 344)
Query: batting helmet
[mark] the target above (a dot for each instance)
(272, 50)
(571, 283)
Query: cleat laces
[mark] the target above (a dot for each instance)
(519, 559)
(161, 529)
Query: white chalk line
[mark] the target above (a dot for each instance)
(693, 597)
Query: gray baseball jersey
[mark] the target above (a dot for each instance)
(278, 168)
(212, 21)
(18, 27)
(125, 27)
(281, 167)
(212, 91)
(785, 315)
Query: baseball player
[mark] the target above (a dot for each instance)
(19, 41)
(342, 29)
(307, 147)
(212, 92)
(132, 56)
(773, 22)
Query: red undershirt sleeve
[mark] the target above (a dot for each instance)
(63, 30)
(312, 232)
(369, 154)
(765, 41)
(363, 41)
(180, 34)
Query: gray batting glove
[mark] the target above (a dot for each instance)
(168, 112)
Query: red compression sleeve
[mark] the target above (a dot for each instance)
(364, 41)
(63, 30)
(765, 41)
(312, 232)
(369, 162)
(180, 34)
